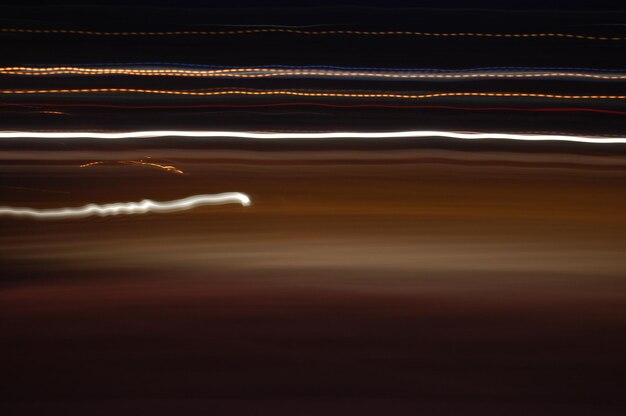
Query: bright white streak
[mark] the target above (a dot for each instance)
(332, 135)
(120, 208)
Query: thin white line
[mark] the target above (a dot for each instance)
(127, 208)
(332, 135)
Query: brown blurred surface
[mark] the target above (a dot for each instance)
(358, 282)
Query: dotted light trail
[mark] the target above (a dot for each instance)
(320, 94)
(337, 67)
(264, 72)
(127, 208)
(572, 36)
(327, 136)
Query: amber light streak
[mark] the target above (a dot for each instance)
(143, 207)
(313, 93)
(314, 33)
(329, 136)
(167, 168)
(261, 72)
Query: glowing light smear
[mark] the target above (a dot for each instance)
(328, 135)
(127, 208)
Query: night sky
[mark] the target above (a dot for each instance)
(370, 276)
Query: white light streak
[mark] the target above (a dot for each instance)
(330, 135)
(126, 208)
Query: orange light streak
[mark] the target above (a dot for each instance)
(261, 72)
(314, 94)
(167, 168)
(86, 165)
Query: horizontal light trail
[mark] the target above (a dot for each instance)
(127, 208)
(327, 136)
(310, 93)
(265, 72)
(572, 36)
(180, 65)
(327, 105)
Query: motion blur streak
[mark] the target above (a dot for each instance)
(321, 94)
(119, 208)
(312, 33)
(264, 72)
(331, 135)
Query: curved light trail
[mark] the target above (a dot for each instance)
(167, 168)
(126, 208)
(328, 136)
